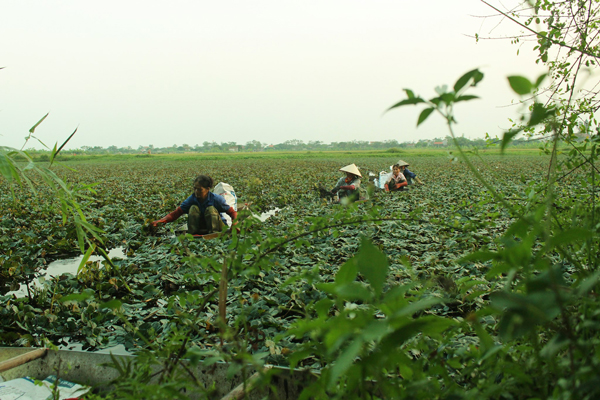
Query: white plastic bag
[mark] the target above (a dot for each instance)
(28, 389)
(226, 190)
(384, 177)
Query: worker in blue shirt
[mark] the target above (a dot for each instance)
(203, 208)
(409, 175)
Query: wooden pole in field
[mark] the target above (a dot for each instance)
(22, 359)
(240, 391)
(223, 295)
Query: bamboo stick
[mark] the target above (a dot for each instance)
(223, 295)
(22, 359)
(238, 392)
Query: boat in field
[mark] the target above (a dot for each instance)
(91, 369)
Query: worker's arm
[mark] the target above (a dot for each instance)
(401, 184)
(170, 217)
(392, 184)
(352, 186)
(232, 214)
(337, 186)
(412, 175)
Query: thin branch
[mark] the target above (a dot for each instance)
(537, 33)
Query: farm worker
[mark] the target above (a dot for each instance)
(349, 185)
(408, 174)
(397, 181)
(203, 208)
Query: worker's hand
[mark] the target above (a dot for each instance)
(159, 221)
(387, 188)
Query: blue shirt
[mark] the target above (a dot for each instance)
(409, 174)
(212, 199)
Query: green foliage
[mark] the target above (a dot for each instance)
(445, 100)
(418, 239)
(481, 284)
(18, 169)
(549, 269)
(361, 334)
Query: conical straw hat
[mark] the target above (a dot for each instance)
(353, 169)
(402, 163)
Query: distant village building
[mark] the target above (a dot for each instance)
(439, 143)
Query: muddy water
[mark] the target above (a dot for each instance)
(70, 265)
(264, 216)
(67, 265)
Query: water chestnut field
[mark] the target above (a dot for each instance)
(289, 279)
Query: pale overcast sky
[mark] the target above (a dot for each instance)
(130, 73)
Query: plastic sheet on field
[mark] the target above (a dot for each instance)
(30, 389)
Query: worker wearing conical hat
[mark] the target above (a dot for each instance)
(408, 174)
(349, 185)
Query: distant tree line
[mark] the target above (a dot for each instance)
(288, 145)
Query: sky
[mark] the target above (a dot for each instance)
(135, 73)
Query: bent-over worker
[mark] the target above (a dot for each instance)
(203, 208)
(408, 174)
(348, 186)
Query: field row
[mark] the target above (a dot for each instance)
(422, 232)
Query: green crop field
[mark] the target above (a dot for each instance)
(481, 283)
(309, 263)
(430, 228)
